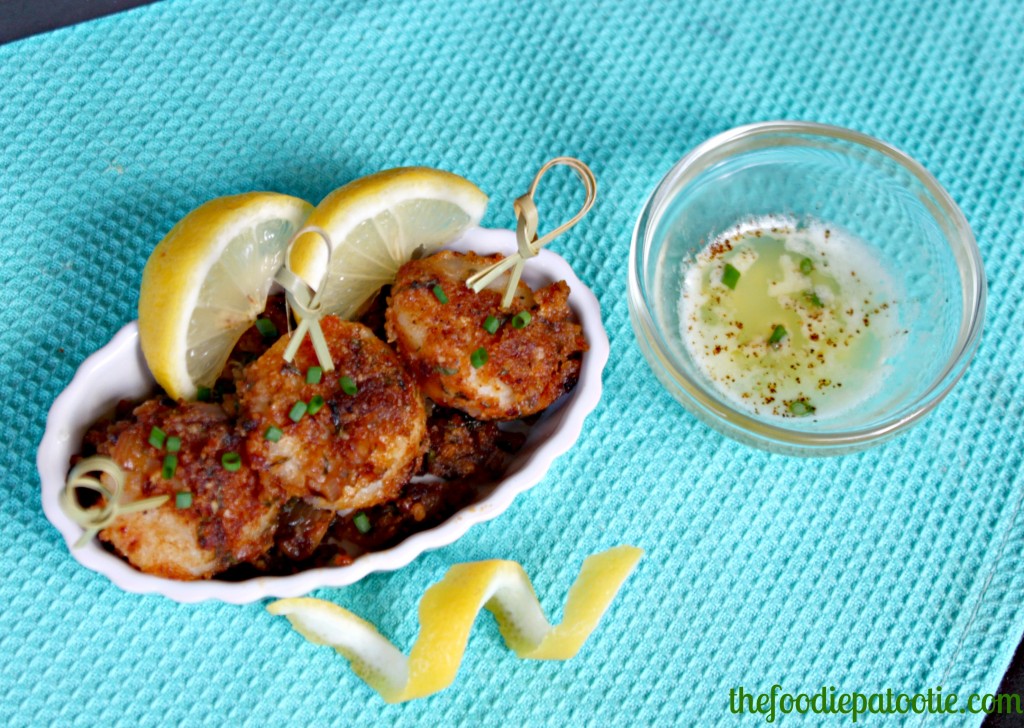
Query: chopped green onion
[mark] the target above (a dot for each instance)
(361, 522)
(266, 328)
(439, 294)
(491, 325)
(813, 299)
(730, 276)
(203, 394)
(169, 467)
(157, 437)
(806, 266)
(446, 371)
(298, 411)
(478, 358)
(231, 461)
(316, 404)
(273, 433)
(521, 319)
(173, 443)
(801, 407)
(313, 375)
(182, 500)
(348, 385)
(778, 334)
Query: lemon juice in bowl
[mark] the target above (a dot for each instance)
(789, 319)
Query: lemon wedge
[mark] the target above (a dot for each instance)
(376, 224)
(207, 281)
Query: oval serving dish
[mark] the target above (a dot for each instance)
(118, 371)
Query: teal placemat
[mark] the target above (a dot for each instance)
(898, 568)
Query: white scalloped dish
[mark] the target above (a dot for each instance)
(118, 371)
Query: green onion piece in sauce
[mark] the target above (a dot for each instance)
(813, 299)
(521, 319)
(231, 461)
(730, 276)
(778, 334)
(348, 386)
(203, 394)
(157, 437)
(173, 443)
(362, 522)
(315, 404)
(806, 266)
(439, 293)
(169, 467)
(478, 358)
(491, 325)
(266, 328)
(298, 411)
(313, 375)
(182, 500)
(801, 407)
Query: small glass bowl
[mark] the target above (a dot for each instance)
(845, 178)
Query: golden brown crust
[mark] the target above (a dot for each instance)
(526, 370)
(232, 517)
(358, 450)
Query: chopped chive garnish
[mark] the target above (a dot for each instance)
(173, 443)
(491, 325)
(806, 266)
(157, 437)
(266, 328)
(298, 411)
(203, 394)
(182, 500)
(313, 375)
(730, 276)
(169, 467)
(273, 433)
(478, 358)
(801, 407)
(231, 461)
(439, 294)
(348, 385)
(315, 404)
(361, 522)
(813, 299)
(778, 334)
(446, 371)
(521, 319)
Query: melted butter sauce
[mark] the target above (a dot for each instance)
(807, 327)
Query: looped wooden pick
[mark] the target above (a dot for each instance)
(98, 517)
(526, 229)
(307, 306)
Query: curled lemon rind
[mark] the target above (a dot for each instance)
(447, 613)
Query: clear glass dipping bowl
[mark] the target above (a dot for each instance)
(840, 177)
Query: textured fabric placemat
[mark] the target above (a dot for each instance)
(897, 568)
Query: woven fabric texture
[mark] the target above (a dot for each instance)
(897, 568)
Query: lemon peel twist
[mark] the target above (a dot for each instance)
(447, 613)
(527, 220)
(307, 308)
(98, 517)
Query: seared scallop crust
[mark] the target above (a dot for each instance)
(351, 438)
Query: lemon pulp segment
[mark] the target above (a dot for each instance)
(207, 281)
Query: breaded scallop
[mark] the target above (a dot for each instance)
(360, 447)
(231, 517)
(437, 326)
